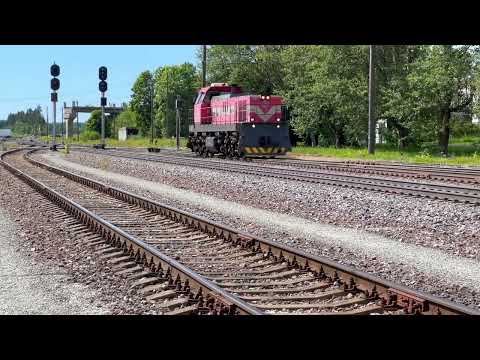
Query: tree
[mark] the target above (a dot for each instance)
(443, 82)
(141, 101)
(127, 118)
(395, 101)
(258, 69)
(94, 123)
(170, 81)
(327, 88)
(26, 122)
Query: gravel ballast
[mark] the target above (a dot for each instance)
(28, 288)
(432, 265)
(35, 242)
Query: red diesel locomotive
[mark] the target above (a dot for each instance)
(233, 124)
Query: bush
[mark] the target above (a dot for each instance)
(89, 135)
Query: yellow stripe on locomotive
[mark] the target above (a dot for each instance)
(256, 150)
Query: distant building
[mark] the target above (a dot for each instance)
(124, 133)
(381, 129)
(5, 133)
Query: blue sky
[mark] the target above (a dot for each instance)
(25, 72)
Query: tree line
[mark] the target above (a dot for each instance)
(424, 93)
(29, 122)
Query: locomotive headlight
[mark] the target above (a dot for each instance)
(278, 119)
(278, 126)
(263, 97)
(252, 119)
(268, 97)
(253, 125)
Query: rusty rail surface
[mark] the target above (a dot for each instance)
(391, 295)
(208, 295)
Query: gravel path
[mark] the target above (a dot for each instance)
(30, 288)
(425, 268)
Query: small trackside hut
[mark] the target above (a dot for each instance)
(228, 122)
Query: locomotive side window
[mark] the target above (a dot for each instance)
(200, 98)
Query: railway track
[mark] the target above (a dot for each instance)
(449, 174)
(464, 194)
(207, 267)
(438, 173)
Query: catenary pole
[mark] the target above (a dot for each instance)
(371, 102)
(151, 108)
(204, 65)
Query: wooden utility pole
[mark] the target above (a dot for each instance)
(78, 128)
(63, 128)
(204, 66)
(151, 107)
(371, 102)
(177, 122)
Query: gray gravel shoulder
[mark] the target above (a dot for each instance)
(28, 288)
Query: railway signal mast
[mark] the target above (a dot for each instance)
(102, 86)
(48, 130)
(54, 85)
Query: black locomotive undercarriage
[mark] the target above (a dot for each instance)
(239, 140)
(224, 143)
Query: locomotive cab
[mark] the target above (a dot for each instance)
(202, 106)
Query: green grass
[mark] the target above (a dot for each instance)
(132, 142)
(460, 154)
(463, 151)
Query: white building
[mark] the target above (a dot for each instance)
(5, 133)
(380, 131)
(124, 133)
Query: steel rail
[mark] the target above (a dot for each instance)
(468, 195)
(392, 294)
(447, 170)
(147, 254)
(416, 171)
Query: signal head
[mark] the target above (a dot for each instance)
(55, 84)
(102, 73)
(55, 70)
(102, 86)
